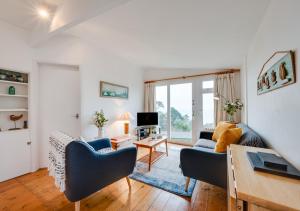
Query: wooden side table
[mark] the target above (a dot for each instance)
(121, 141)
(255, 190)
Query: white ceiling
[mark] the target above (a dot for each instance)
(22, 13)
(194, 34)
(177, 33)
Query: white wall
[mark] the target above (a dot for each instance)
(275, 115)
(95, 65)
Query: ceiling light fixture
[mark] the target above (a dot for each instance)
(43, 13)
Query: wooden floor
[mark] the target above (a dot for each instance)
(36, 191)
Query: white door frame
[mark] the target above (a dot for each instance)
(67, 66)
(168, 84)
(197, 117)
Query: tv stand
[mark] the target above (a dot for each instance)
(146, 131)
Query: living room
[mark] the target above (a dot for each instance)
(149, 105)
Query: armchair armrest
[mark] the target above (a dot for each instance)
(100, 143)
(203, 165)
(206, 135)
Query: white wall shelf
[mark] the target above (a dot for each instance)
(13, 82)
(7, 95)
(9, 131)
(14, 110)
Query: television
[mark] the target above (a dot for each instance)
(147, 118)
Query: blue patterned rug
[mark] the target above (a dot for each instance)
(165, 174)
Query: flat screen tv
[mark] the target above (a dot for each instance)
(147, 118)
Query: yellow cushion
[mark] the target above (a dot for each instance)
(221, 127)
(230, 136)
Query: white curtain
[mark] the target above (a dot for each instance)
(149, 97)
(226, 88)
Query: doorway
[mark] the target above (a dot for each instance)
(185, 107)
(59, 103)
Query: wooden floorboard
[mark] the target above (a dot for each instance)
(36, 191)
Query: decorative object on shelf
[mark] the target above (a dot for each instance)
(126, 117)
(25, 125)
(20, 79)
(230, 107)
(113, 90)
(7, 75)
(15, 118)
(11, 90)
(277, 72)
(2, 76)
(100, 121)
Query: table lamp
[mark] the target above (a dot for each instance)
(126, 117)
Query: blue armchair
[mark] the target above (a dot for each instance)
(88, 171)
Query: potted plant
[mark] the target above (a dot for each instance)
(100, 121)
(232, 107)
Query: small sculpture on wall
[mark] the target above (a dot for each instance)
(278, 71)
(273, 77)
(267, 82)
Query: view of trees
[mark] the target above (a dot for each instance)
(179, 122)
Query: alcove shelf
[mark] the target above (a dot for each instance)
(13, 110)
(13, 82)
(13, 103)
(7, 95)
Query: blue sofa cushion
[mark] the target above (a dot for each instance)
(205, 143)
(204, 149)
(249, 137)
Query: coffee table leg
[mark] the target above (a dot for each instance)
(167, 148)
(150, 155)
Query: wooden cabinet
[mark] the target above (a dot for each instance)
(15, 154)
(258, 191)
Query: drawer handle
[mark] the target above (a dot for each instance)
(28, 142)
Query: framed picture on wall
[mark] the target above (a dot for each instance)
(111, 90)
(277, 72)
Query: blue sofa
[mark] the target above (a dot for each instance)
(88, 171)
(202, 163)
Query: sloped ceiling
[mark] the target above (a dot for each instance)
(22, 13)
(176, 33)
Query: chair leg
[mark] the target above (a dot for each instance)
(128, 182)
(77, 206)
(187, 184)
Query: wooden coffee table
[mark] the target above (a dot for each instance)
(151, 144)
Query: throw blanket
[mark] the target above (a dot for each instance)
(58, 142)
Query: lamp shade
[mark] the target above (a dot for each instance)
(127, 116)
